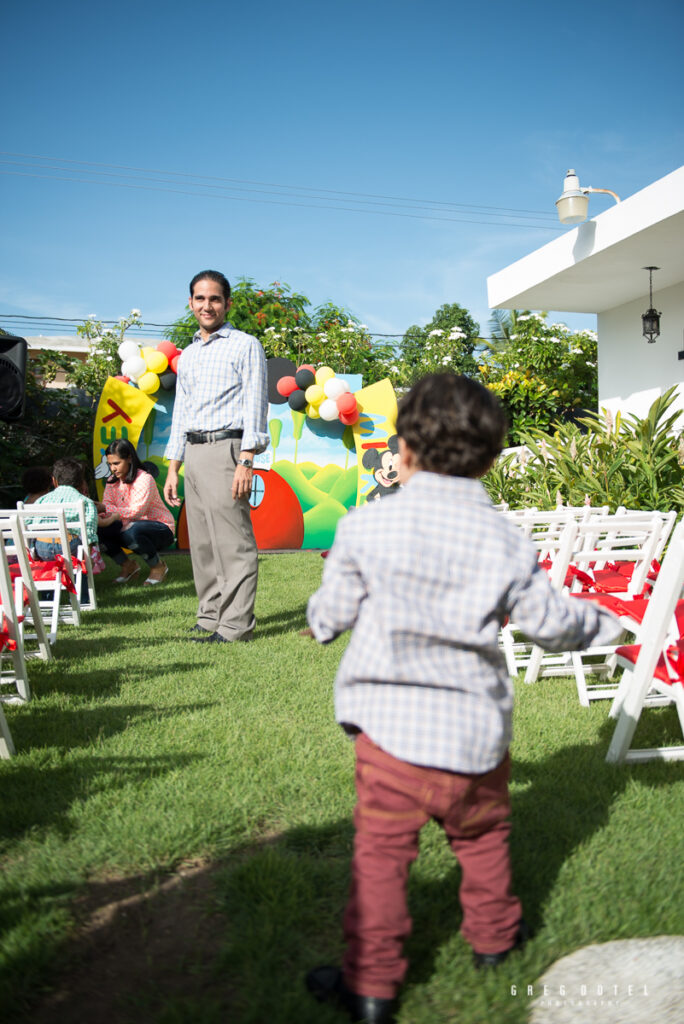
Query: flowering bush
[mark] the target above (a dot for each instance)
(103, 359)
(543, 372)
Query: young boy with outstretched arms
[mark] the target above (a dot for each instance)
(425, 579)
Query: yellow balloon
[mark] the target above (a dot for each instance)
(156, 361)
(149, 382)
(324, 373)
(145, 351)
(314, 394)
(312, 412)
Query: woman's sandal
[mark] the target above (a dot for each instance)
(152, 581)
(127, 578)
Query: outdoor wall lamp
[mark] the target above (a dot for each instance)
(651, 318)
(573, 204)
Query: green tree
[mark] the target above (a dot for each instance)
(253, 310)
(287, 327)
(446, 343)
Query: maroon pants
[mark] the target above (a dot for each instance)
(395, 800)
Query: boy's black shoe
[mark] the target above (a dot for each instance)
(485, 960)
(326, 984)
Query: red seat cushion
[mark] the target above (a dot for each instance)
(670, 666)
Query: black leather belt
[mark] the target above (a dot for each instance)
(205, 436)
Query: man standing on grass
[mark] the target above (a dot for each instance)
(219, 424)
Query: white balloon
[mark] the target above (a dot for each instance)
(128, 350)
(328, 410)
(134, 367)
(335, 387)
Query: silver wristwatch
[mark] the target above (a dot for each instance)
(245, 462)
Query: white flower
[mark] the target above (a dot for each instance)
(576, 351)
(135, 312)
(109, 359)
(92, 316)
(446, 361)
(435, 334)
(363, 327)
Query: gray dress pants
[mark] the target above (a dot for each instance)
(222, 545)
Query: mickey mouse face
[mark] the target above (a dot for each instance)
(388, 472)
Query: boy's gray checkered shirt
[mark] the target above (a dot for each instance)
(425, 578)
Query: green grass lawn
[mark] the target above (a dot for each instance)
(143, 756)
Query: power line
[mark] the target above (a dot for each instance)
(270, 184)
(276, 202)
(515, 219)
(48, 322)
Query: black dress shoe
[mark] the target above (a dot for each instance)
(210, 638)
(486, 960)
(199, 629)
(326, 984)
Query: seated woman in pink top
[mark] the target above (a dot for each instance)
(133, 515)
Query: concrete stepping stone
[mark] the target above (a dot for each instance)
(633, 981)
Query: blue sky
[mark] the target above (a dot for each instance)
(454, 112)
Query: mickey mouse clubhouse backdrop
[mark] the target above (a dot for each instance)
(333, 446)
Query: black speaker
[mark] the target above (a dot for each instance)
(13, 356)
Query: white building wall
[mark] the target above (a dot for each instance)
(625, 357)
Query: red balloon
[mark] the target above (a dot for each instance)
(346, 404)
(307, 366)
(349, 418)
(286, 385)
(173, 363)
(121, 377)
(169, 349)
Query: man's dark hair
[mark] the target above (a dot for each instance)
(68, 472)
(125, 450)
(36, 479)
(453, 425)
(212, 275)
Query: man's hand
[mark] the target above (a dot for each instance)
(171, 485)
(242, 482)
(106, 520)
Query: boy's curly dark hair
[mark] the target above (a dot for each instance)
(452, 424)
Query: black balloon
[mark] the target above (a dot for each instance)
(304, 379)
(297, 400)
(277, 367)
(168, 380)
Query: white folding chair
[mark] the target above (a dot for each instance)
(26, 597)
(544, 529)
(613, 553)
(51, 578)
(82, 563)
(11, 646)
(653, 669)
(554, 544)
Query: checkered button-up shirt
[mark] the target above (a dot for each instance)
(425, 578)
(222, 383)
